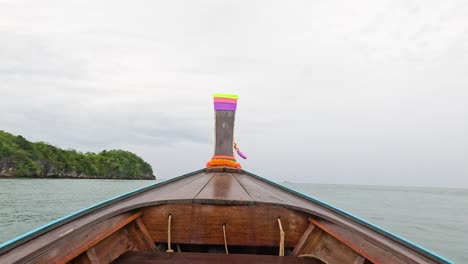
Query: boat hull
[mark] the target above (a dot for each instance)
(213, 210)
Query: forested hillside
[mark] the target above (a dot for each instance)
(22, 158)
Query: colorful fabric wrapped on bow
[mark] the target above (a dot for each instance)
(224, 157)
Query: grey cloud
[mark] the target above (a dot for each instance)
(28, 56)
(364, 92)
(105, 130)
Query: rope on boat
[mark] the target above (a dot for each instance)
(169, 249)
(281, 247)
(239, 152)
(225, 241)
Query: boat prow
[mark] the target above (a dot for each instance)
(213, 211)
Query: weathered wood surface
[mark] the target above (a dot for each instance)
(304, 238)
(92, 256)
(83, 259)
(245, 225)
(360, 260)
(224, 132)
(66, 249)
(142, 232)
(223, 188)
(359, 244)
(107, 229)
(327, 248)
(112, 247)
(208, 258)
(125, 239)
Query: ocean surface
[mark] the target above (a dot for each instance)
(434, 218)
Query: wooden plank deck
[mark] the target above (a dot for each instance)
(223, 188)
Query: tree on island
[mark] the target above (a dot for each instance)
(22, 158)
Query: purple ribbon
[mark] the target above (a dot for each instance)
(225, 106)
(241, 154)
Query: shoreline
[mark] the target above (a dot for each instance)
(75, 178)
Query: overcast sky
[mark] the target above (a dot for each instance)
(347, 92)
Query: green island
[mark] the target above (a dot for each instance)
(22, 158)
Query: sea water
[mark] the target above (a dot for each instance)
(434, 218)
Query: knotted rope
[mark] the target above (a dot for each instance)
(281, 247)
(169, 249)
(225, 241)
(239, 152)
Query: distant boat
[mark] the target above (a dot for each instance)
(219, 214)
